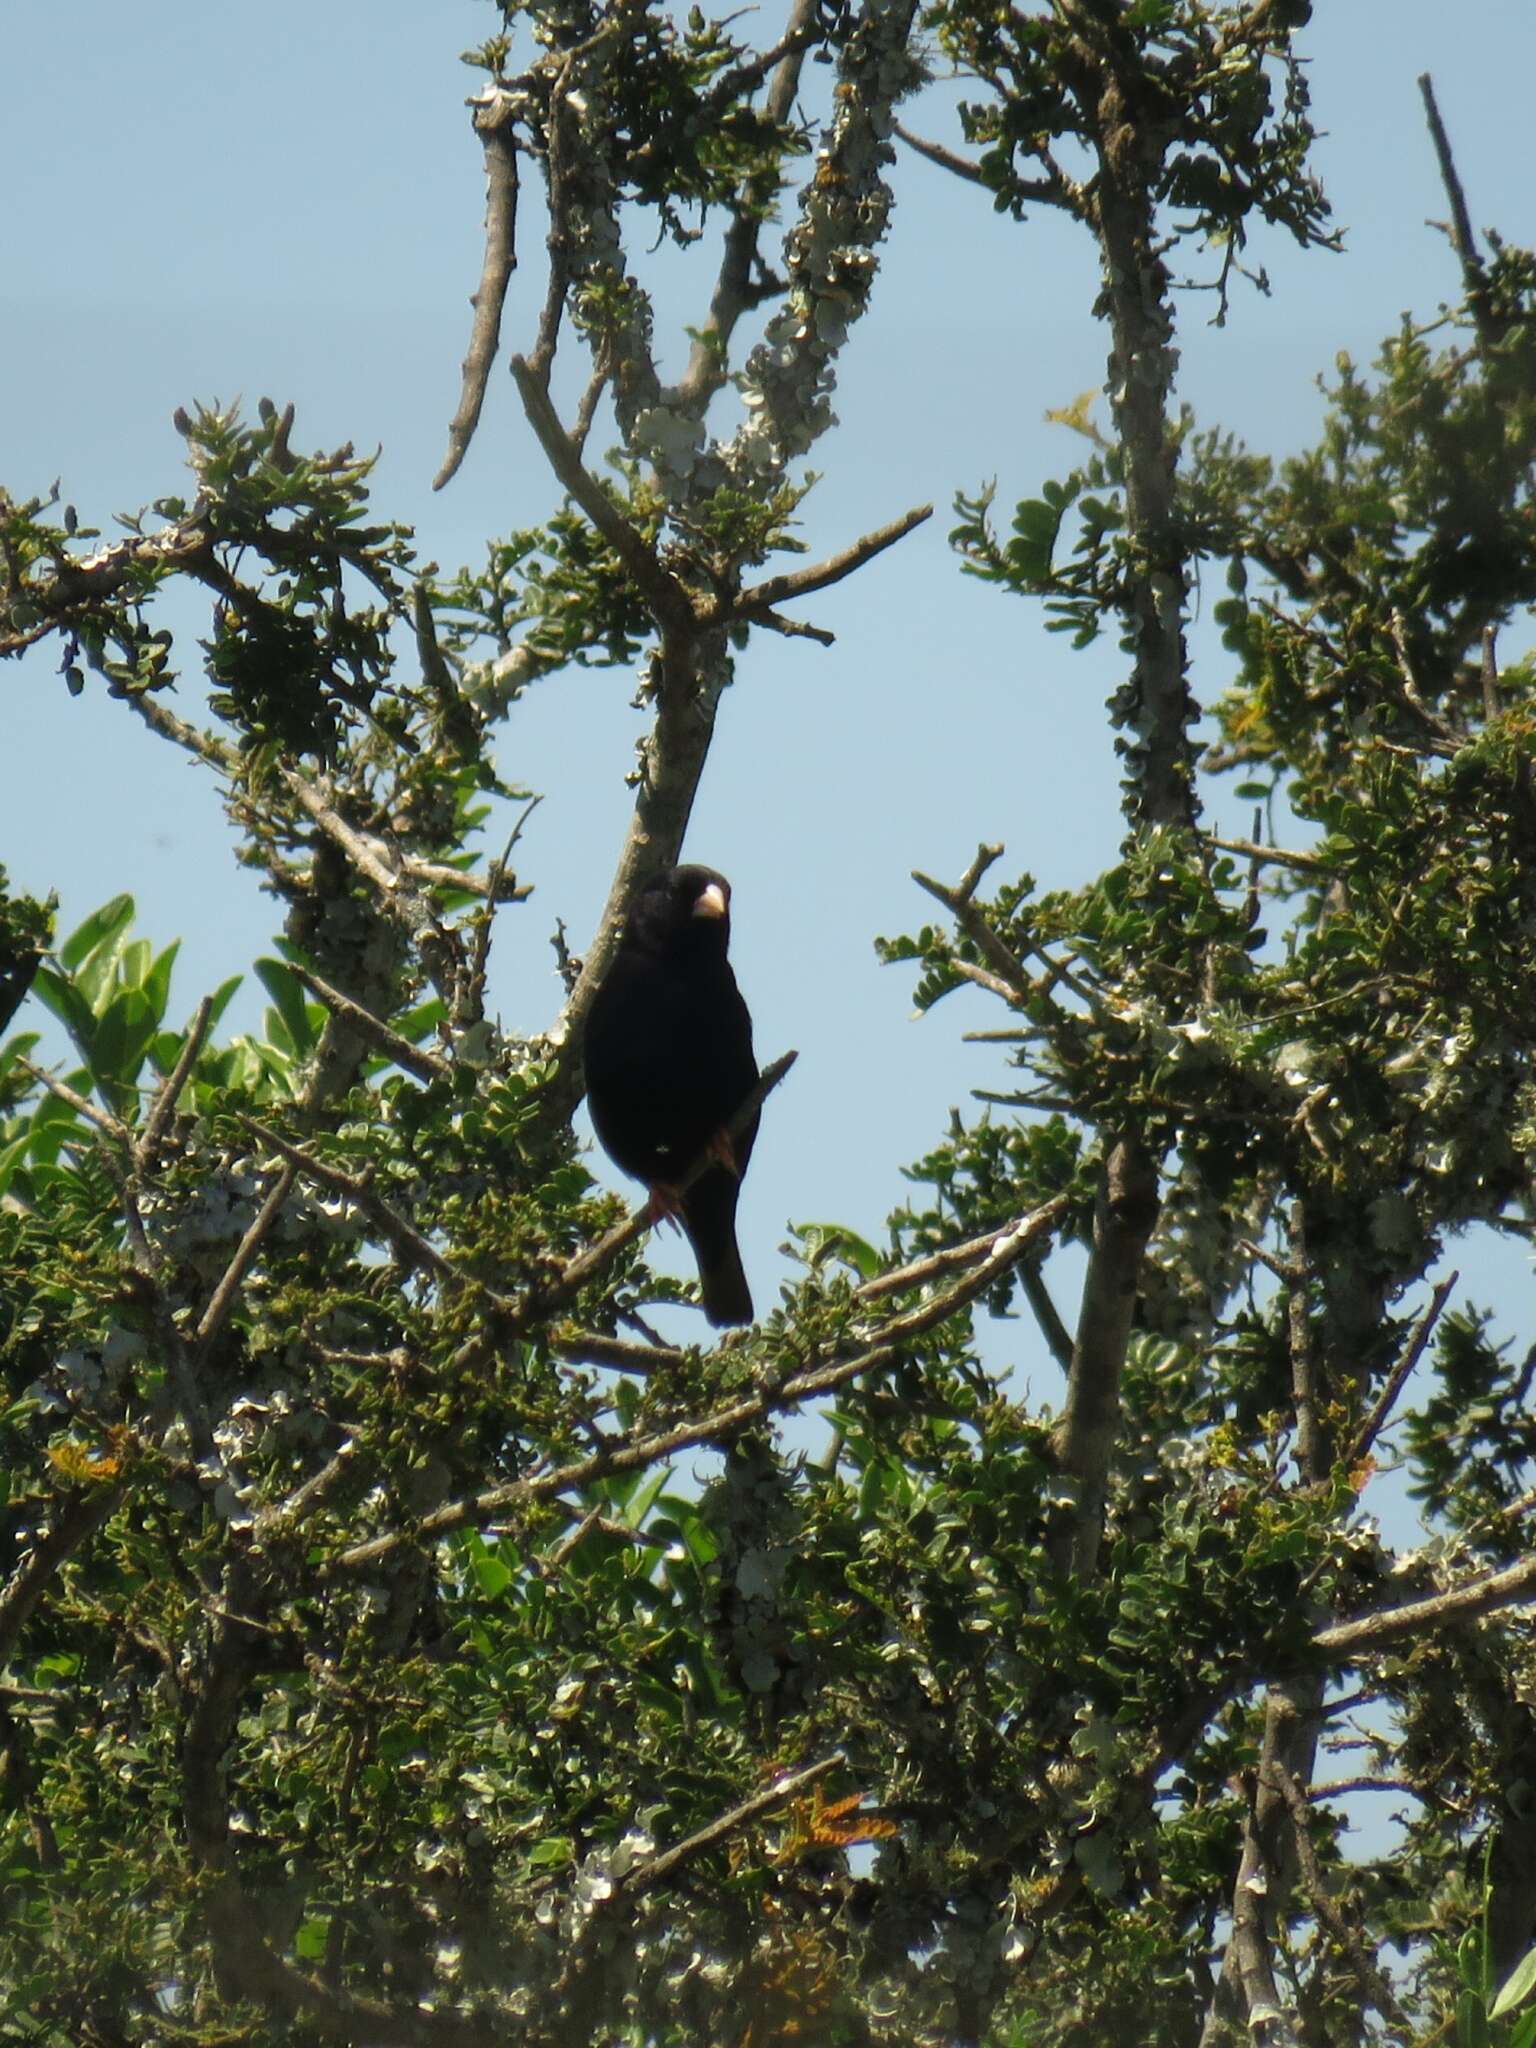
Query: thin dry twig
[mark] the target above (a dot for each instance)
(415, 1059)
(1397, 1379)
(103, 1119)
(224, 1296)
(776, 590)
(644, 1877)
(163, 1107)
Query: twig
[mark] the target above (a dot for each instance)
(1413, 1351)
(492, 116)
(103, 1119)
(946, 159)
(592, 1347)
(794, 629)
(479, 959)
(1057, 1336)
(1368, 1975)
(426, 1066)
(945, 1260)
(1017, 986)
(1410, 682)
(364, 853)
(1271, 856)
(405, 1237)
(441, 874)
(666, 597)
(1369, 1632)
(1463, 241)
(724, 1423)
(777, 590)
(227, 1292)
(643, 1877)
(164, 1104)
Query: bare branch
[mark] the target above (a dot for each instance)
(668, 600)
(946, 159)
(1057, 1336)
(493, 116)
(1463, 241)
(1016, 985)
(227, 1292)
(655, 1870)
(777, 590)
(426, 1066)
(1123, 1218)
(1398, 1378)
(1486, 1595)
(103, 1119)
(592, 1347)
(1271, 856)
(163, 1107)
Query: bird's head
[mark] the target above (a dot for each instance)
(683, 909)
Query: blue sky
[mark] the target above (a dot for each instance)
(212, 201)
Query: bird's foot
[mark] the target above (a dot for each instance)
(723, 1152)
(666, 1203)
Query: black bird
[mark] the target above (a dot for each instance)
(669, 1061)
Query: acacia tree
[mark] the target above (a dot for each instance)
(365, 1675)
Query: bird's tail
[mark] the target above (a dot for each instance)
(709, 1212)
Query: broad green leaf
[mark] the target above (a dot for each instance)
(102, 924)
(1516, 1988)
(292, 1004)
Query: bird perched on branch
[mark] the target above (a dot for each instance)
(669, 1060)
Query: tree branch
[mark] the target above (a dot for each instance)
(724, 1423)
(426, 1066)
(163, 1107)
(668, 600)
(655, 1870)
(1398, 1378)
(777, 590)
(493, 113)
(1124, 1215)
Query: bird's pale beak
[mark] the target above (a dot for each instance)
(710, 902)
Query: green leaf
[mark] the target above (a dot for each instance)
(68, 1005)
(836, 1241)
(103, 924)
(1517, 1986)
(287, 993)
(310, 1941)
